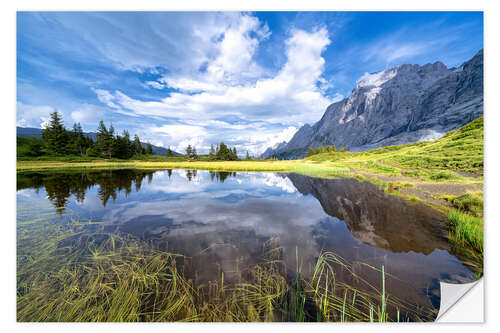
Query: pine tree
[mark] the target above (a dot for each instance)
(105, 140)
(127, 147)
(149, 149)
(194, 154)
(234, 155)
(138, 150)
(169, 152)
(224, 153)
(80, 143)
(189, 151)
(54, 136)
(247, 156)
(211, 153)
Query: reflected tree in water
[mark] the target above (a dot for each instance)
(221, 176)
(60, 187)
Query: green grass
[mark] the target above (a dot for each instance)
(243, 165)
(467, 229)
(471, 203)
(466, 219)
(66, 273)
(459, 150)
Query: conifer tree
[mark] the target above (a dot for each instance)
(189, 151)
(54, 136)
(149, 149)
(127, 147)
(79, 142)
(211, 153)
(138, 150)
(105, 140)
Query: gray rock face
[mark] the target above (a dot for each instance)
(271, 150)
(404, 104)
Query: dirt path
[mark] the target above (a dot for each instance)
(450, 189)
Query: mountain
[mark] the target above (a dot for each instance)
(271, 150)
(31, 132)
(404, 104)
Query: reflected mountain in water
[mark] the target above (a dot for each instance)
(376, 218)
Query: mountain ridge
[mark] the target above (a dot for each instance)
(403, 104)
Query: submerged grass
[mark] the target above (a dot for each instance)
(66, 273)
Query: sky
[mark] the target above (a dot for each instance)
(249, 79)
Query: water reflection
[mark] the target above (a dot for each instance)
(225, 218)
(375, 218)
(60, 186)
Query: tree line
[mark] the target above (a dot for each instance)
(58, 141)
(221, 152)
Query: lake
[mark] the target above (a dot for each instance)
(222, 221)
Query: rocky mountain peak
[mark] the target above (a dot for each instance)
(403, 104)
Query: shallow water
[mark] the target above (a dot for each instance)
(222, 220)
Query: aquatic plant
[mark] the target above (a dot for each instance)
(71, 270)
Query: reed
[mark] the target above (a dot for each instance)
(67, 274)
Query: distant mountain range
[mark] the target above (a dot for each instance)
(31, 132)
(404, 104)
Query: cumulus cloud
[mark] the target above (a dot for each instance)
(87, 114)
(292, 95)
(155, 84)
(32, 115)
(233, 84)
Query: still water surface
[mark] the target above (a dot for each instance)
(222, 220)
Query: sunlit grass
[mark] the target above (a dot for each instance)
(467, 229)
(436, 161)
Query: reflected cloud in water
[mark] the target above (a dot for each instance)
(226, 217)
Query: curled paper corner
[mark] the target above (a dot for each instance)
(461, 303)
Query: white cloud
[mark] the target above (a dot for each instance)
(87, 114)
(155, 84)
(32, 115)
(179, 136)
(259, 142)
(291, 95)
(105, 97)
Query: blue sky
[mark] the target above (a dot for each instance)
(248, 79)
